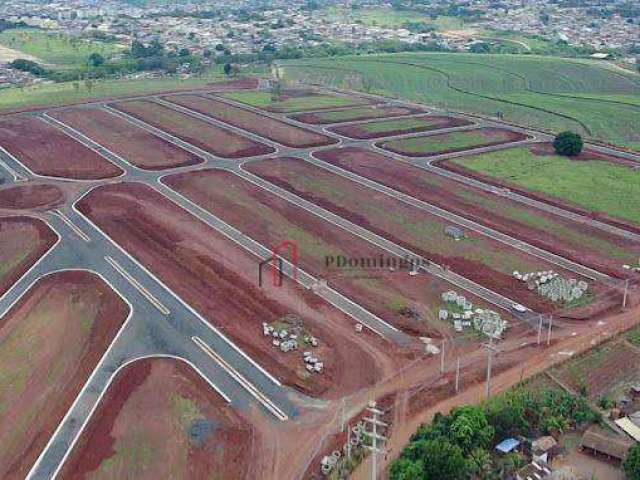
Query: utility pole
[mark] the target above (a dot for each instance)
(458, 375)
(540, 330)
(375, 423)
(442, 358)
(624, 297)
(491, 349)
(549, 331)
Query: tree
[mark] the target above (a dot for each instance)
(632, 464)
(436, 459)
(480, 462)
(568, 143)
(470, 429)
(227, 69)
(95, 59)
(184, 52)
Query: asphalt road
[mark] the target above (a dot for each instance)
(161, 323)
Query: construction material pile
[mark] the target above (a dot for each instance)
(288, 334)
(461, 312)
(551, 285)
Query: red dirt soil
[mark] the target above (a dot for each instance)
(288, 172)
(111, 314)
(488, 132)
(46, 150)
(375, 111)
(267, 127)
(547, 149)
(27, 197)
(134, 144)
(213, 139)
(481, 206)
(385, 293)
(18, 230)
(147, 389)
(429, 123)
(219, 279)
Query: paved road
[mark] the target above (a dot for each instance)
(162, 324)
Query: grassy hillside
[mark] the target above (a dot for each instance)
(55, 49)
(598, 100)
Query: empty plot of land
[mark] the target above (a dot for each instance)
(132, 143)
(356, 113)
(45, 150)
(295, 101)
(408, 302)
(399, 126)
(213, 139)
(159, 416)
(474, 256)
(608, 370)
(577, 241)
(451, 142)
(219, 279)
(50, 342)
(23, 240)
(593, 183)
(25, 197)
(270, 128)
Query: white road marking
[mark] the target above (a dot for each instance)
(76, 229)
(248, 386)
(138, 286)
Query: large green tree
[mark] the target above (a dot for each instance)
(470, 429)
(436, 459)
(632, 463)
(568, 143)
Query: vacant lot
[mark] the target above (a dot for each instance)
(159, 418)
(476, 257)
(591, 182)
(219, 279)
(355, 113)
(294, 101)
(577, 241)
(50, 342)
(45, 150)
(270, 128)
(386, 128)
(544, 92)
(26, 197)
(608, 370)
(213, 139)
(134, 144)
(451, 142)
(408, 302)
(23, 241)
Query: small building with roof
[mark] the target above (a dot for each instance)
(599, 442)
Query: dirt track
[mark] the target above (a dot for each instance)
(45, 150)
(219, 279)
(419, 124)
(168, 411)
(31, 196)
(132, 143)
(50, 342)
(213, 139)
(354, 114)
(572, 240)
(267, 127)
(24, 240)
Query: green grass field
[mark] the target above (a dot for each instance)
(291, 104)
(596, 99)
(56, 49)
(593, 184)
(433, 144)
(63, 93)
(387, 17)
